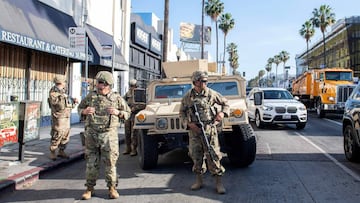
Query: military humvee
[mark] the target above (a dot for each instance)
(158, 126)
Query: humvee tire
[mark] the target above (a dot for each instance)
(242, 145)
(148, 150)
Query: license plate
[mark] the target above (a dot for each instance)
(286, 116)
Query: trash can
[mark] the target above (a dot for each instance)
(29, 123)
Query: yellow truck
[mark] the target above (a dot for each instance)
(326, 89)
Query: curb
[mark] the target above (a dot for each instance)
(27, 178)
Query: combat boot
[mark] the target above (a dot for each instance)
(220, 189)
(127, 150)
(113, 194)
(133, 151)
(63, 154)
(52, 155)
(88, 193)
(198, 183)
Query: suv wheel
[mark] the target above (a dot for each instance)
(148, 150)
(300, 126)
(351, 149)
(258, 121)
(242, 143)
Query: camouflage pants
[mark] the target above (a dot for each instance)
(101, 146)
(130, 137)
(59, 138)
(198, 153)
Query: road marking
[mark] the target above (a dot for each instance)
(343, 167)
(332, 121)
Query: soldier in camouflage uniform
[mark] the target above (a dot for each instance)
(130, 137)
(60, 104)
(103, 109)
(204, 98)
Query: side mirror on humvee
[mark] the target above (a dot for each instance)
(140, 95)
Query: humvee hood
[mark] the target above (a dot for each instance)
(163, 109)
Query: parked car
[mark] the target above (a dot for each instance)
(351, 126)
(269, 105)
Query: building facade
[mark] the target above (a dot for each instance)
(34, 47)
(342, 48)
(145, 57)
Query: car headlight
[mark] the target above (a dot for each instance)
(267, 108)
(302, 108)
(161, 123)
(141, 117)
(331, 99)
(237, 113)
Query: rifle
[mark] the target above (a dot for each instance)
(206, 144)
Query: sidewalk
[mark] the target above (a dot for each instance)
(15, 174)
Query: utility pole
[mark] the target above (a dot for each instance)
(202, 28)
(85, 14)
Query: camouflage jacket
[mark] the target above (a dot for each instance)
(101, 120)
(59, 103)
(205, 102)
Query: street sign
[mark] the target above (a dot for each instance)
(77, 39)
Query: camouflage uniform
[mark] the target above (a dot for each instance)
(130, 137)
(60, 106)
(204, 98)
(101, 133)
(205, 101)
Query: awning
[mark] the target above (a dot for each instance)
(102, 43)
(35, 25)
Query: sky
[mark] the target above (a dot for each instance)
(263, 28)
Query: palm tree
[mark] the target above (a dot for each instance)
(268, 68)
(233, 56)
(226, 24)
(322, 18)
(284, 56)
(261, 74)
(307, 31)
(166, 37)
(214, 8)
(277, 61)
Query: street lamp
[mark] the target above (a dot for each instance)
(178, 54)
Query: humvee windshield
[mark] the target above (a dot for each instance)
(171, 91)
(225, 88)
(179, 90)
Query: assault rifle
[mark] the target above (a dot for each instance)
(209, 149)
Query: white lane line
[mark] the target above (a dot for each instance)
(343, 167)
(332, 121)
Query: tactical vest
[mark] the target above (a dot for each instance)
(101, 120)
(204, 107)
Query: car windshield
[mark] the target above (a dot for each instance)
(225, 88)
(338, 76)
(171, 91)
(277, 94)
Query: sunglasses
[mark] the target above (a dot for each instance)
(203, 81)
(102, 82)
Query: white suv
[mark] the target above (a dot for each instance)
(268, 105)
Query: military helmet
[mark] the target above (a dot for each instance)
(59, 79)
(197, 75)
(105, 76)
(133, 82)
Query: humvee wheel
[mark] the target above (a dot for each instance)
(242, 145)
(148, 152)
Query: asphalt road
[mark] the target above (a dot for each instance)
(291, 166)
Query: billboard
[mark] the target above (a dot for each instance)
(191, 33)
